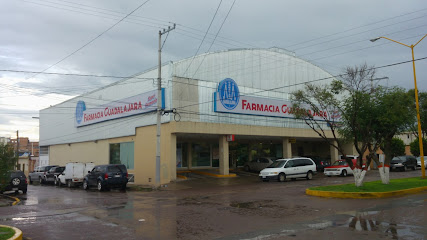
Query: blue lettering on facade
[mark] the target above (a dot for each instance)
(80, 108)
(229, 93)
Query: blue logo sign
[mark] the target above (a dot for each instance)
(80, 108)
(228, 93)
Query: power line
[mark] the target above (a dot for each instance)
(213, 18)
(215, 37)
(311, 81)
(99, 35)
(351, 29)
(227, 115)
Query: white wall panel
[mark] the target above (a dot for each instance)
(257, 72)
(57, 122)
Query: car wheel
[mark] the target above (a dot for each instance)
(123, 187)
(282, 177)
(247, 168)
(55, 182)
(40, 180)
(85, 185)
(24, 191)
(70, 183)
(31, 181)
(344, 173)
(99, 186)
(16, 181)
(309, 175)
(405, 168)
(414, 168)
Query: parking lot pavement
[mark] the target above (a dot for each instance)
(209, 208)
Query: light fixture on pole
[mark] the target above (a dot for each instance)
(420, 136)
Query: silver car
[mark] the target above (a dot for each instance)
(258, 164)
(419, 162)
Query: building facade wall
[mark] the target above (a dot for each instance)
(257, 72)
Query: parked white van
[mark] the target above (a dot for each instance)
(289, 168)
(74, 174)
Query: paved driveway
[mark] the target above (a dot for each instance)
(208, 208)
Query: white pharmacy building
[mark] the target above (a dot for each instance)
(222, 110)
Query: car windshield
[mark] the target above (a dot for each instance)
(116, 168)
(16, 174)
(277, 164)
(397, 160)
(339, 163)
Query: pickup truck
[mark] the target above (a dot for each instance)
(39, 173)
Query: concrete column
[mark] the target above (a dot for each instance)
(223, 156)
(287, 148)
(250, 152)
(172, 162)
(189, 155)
(334, 153)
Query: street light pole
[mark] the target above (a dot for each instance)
(420, 137)
(159, 104)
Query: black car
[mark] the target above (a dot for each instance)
(403, 163)
(321, 163)
(104, 177)
(52, 174)
(16, 181)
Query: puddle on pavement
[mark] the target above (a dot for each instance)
(29, 200)
(366, 222)
(359, 221)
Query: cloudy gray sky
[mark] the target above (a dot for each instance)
(44, 35)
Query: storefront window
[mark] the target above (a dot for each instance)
(201, 155)
(181, 155)
(122, 153)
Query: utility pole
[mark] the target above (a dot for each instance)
(159, 103)
(17, 148)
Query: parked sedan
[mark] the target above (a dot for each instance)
(339, 168)
(52, 175)
(16, 181)
(403, 163)
(258, 164)
(419, 162)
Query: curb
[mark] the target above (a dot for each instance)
(18, 233)
(16, 200)
(330, 194)
(215, 175)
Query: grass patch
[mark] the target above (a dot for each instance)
(376, 186)
(6, 233)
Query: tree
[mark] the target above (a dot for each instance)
(415, 146)
(7, 161)
(395, 107)
(397, 147)
(369, 116)
(345, 108)
(422, 100)
(319, 108)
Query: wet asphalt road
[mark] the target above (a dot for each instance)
(208, 208)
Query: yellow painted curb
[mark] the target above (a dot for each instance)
(214, 175)
(331, 194)
(18, 233)
(13, 198)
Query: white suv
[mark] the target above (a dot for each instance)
(289, 168)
